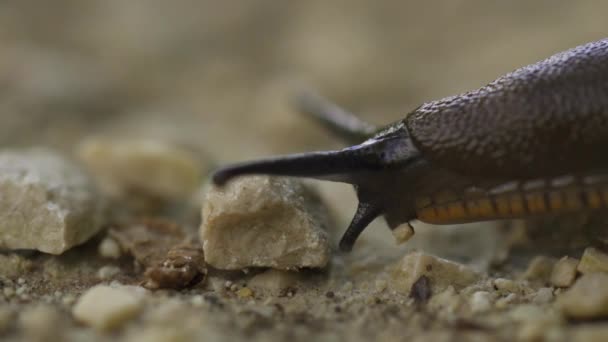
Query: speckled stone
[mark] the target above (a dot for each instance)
(264, 222)
(47, 203)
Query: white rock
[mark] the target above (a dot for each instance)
(564, 272)
(540, 268)
(587, 298)
(543, 295)
(145, 167)
(105, 308)
(109, 248)
(274, 280)
(403, 233)
(107, 272)
(481, 301)
(505, 285)
(264, 222)
(41, 323)
(593, 260)
(441, 272)
(46, 202)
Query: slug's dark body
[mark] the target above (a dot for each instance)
(531, 142)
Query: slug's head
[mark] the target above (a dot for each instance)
(370, 167)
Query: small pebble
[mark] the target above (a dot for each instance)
(41, 323)
(505, 285)
(564, 272)
(506, 301)
(147, 167)
(109, 248)
(244, 292)
(593, 260)
(543, 295)
(107, 272)
(105, 308)
(274, 280)
(197, 300)
(403, 233)
(587, 298)
(8, 292)
(540, 268)
(440, 272)
(480, 301)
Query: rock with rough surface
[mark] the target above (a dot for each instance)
(564, 272)
(142, 167)
(105, 308)
(441, 272)
(593, 260)
(47, 203)
(264, 222)
(274, 280)
(587, 298)
(540, 268)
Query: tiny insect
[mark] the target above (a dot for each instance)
(529, 143)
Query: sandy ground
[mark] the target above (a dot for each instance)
(217, 78)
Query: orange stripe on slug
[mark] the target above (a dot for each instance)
(457, 210)
(593, 198)
(556, 201)
(573, 200)
(428, 215)
(502, 206)
(486, 208)
(536, 203)
(517, 205)
(442, 213)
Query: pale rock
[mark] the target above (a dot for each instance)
(403, 233)
(440, 272)
(47, 203)
(480, 301)
(261, 221)
(506, 301)
(505, 285)
(143, 167)
(274, 280)
(104, 308)
(109, 248)
(41, 323)
(593, 260)
(543, 295)
(587, 298)
(540, 268)
(445, 302)
(564, 272)
(532, 313)
(244, 293)
(107, 272)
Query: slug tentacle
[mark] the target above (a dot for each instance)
(365, 214)
(388, 151)
(337, 120)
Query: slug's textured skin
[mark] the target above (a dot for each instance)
(532, 142)
(542, 120)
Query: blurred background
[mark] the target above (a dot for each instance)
(218, 75)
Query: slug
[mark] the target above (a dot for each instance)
(529, 143)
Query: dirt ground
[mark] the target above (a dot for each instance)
(217, 77)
